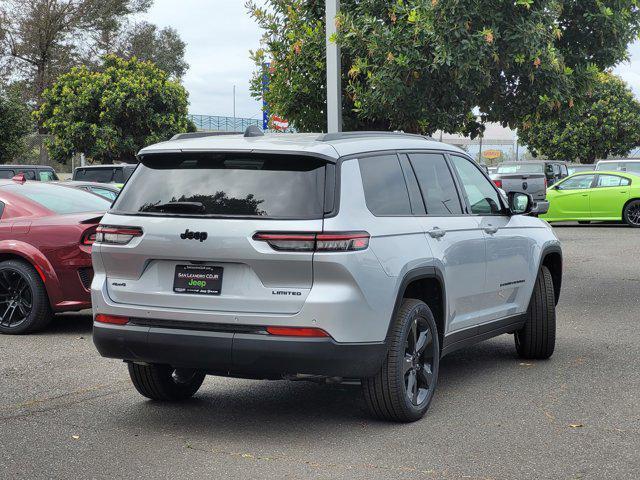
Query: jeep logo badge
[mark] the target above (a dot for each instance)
(188, 235)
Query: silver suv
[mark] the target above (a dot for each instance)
(356, 256)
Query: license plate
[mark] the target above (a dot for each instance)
(198, 279)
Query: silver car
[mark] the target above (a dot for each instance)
(354, 256)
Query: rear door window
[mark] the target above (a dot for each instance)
(385, 190)
(236, 185)
(436, 183)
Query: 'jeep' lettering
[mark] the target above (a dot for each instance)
(189, 235)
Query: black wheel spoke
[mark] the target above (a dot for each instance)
(412, 386)
(424, 339)
(407, 364)
(426, 375)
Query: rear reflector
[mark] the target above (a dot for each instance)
(112, 319)
(498, 183)
(114, 235)
(318, 242)
(297, 332)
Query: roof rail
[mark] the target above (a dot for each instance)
(181, 136)
(329, 137)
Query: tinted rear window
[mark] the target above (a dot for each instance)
(385, 190)
(238, 185)
(61, 200)
(99, 175)
(522, 168)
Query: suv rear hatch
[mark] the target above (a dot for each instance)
(191, 219)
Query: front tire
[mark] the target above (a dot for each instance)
(165, 383)
(537, 338)
(24, 303)
(631, 214)
(404, 387)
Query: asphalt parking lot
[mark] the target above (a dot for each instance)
(67, 413)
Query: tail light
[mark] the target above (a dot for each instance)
(315, 242)
(297, 332)
(114, 235)
(89, 237)
(498, 183)
(545, 183)
(111, 319)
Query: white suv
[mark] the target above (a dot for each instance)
(346, 256)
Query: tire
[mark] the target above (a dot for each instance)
(24, 303)
(584, 222)
(387, 394)
(165, 383)
(631, 213)
(537, 338)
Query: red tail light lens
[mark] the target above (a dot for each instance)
(315, 242)
(89, 238)
(114, 235)
(498, 183)
(545, 182)
(111, 319)
(297, 332)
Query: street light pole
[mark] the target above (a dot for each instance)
(334, 84)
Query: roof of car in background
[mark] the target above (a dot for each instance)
(46, 167)
(113, 165)
(330, 146)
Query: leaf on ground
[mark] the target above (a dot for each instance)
(75, 437)
(576, 425)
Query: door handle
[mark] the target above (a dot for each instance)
(490, 229)
(436, 232)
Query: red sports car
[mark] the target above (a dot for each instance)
(46, 232)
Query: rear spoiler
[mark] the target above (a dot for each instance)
(90, 221)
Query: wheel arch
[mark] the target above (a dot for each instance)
(14, 250)
(425, 284)
(552, 259)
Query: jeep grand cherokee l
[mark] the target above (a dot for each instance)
(359, 255)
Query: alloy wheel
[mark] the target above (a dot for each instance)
(16, 298)
(418, 362)
(633, 213)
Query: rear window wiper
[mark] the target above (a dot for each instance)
(176, 207)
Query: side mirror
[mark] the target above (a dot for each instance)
(520, 203)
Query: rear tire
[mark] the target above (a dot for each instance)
(404, 387)
(165, 383)
(631, 213)
(537, 338)
(24, 303)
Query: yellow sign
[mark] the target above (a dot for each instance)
(492, 154)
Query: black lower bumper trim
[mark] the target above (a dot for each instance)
(238, 354)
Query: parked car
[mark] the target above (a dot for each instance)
(578, 167)
(117, 174)
(39, 173)
(46, 233)
(340, 256)
(629, 165)
(106, 190)
(591, 196)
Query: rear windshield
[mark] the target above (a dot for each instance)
(99, 175)
(61, 200)
(522, 168)
(238, 185)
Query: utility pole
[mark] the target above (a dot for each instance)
(334, 83)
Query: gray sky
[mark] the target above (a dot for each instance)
(219, 35)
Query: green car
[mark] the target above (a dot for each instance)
(588, 196)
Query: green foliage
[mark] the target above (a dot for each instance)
(606, 123)
(111, 112)
(423, 65)
(15, 123)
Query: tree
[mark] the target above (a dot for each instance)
(606, 123)
(109, 113)
(164, 47)
(15, 123)
(424, 65)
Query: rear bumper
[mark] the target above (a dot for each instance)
(238, 354)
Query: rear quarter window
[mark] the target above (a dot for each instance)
(385, 189)
(216, 184)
